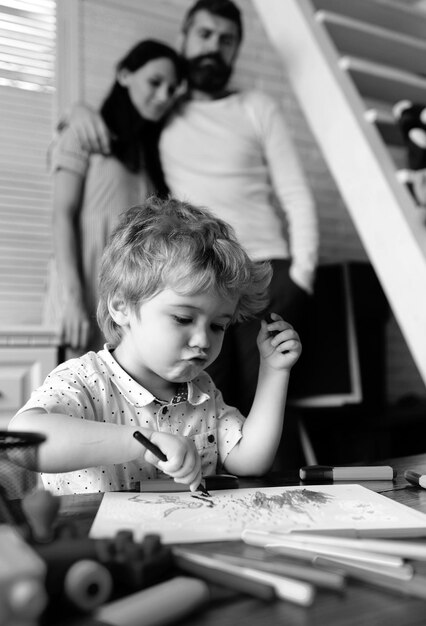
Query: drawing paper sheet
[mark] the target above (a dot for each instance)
(181, 517)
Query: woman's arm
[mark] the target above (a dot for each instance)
(261, 434)
(89, 126)
(67, 197)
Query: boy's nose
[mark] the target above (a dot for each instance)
(200, 339)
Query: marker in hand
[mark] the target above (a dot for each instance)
(161, 456)
(273, 333)
(269, 320)
(149, 446)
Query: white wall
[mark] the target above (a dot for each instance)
(107, 29)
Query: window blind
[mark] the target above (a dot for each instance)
(27, 85)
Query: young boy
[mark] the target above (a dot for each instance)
(173, 278)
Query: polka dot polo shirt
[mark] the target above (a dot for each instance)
(95, 387)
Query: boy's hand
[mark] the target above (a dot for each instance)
(183, 461)
(279, 344)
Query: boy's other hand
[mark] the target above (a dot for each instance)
(278, 343)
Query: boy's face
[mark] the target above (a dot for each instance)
(173, 338)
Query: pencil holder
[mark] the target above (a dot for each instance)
(17, 450)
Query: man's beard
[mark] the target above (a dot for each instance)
(208, 77)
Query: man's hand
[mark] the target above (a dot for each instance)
(90, 129)
(75, 326)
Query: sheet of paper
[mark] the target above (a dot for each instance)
(183, 517)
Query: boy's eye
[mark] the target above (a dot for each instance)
(182, 320)
(218, 328)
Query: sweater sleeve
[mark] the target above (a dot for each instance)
(290, 186)
(66, 152)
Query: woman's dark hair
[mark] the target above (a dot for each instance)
(135, 140)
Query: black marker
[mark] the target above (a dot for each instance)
(149, 445)
(324, 473)
(269, 320)
(161, 456)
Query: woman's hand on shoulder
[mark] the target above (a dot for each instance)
(90, 128)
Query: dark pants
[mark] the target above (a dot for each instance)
(236, 368)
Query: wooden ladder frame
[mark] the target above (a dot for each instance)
(333, 89)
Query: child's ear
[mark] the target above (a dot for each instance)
(119, 310)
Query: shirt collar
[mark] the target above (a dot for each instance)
(135, 393)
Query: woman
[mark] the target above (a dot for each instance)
(91, 190)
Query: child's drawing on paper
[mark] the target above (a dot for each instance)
(256, 506)
(179, 517)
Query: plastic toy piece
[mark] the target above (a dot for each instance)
(41, 510)
(22, 574)
(131, 566)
